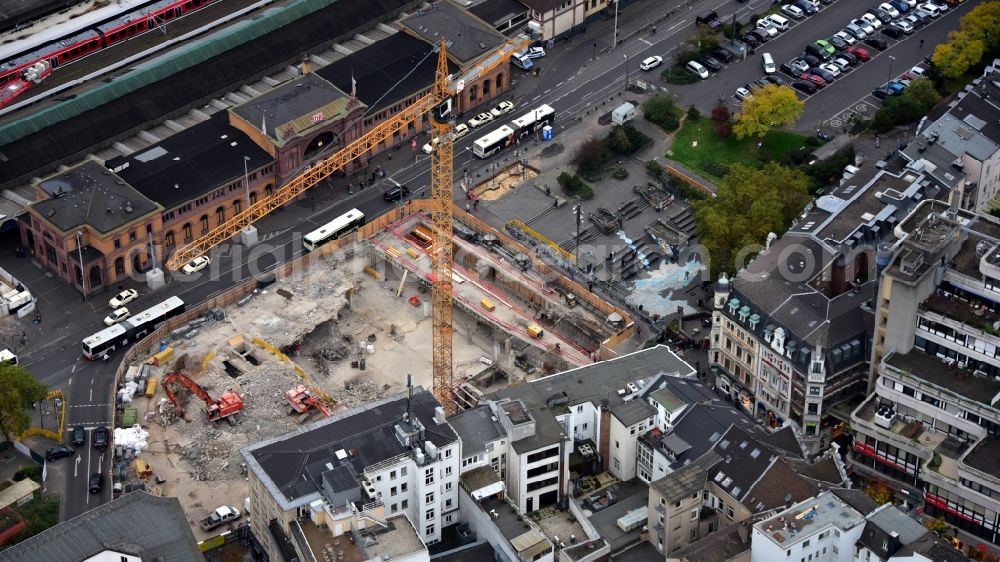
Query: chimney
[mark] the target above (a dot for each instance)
(838, 277)
(893, 544)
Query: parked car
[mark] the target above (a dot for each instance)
(894, 31)
(897, 87)
(101, 438)
(923, 15)
(931, 8)
(846, 37)
(58, 452)
(825, 45)
(889, 9)
(428, 148)
(535, 52)
(830, 68)
(742, 93)
(768, 26)
(804, 86)
(761, 34)
(808, 7)
(847, 57)
(880, 93)
(396, 192)
(460, 130)
(697, 69)
(863, 24)
(794, 67)
(750, 40)
(810, 61)
(776, 80)
(502, 108)
(96, 483)
(857, 31)
(872, 19)
(793, 11)
(767, 61)
(650, 63)
(479, 120)
(818, 52)
(723, 55)
(710, 63)
(883, 16)
(841, 63)
(838, 43)
(860, 52)
(116, 316)
(823, 73)
(901, 6)
(79, 435)
(197, 264)
(123, 298)
(815, 79)
(877, 43)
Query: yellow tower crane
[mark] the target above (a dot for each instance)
(442, 175)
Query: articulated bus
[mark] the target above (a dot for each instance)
(345, 223)
(99, 345)
(519, 128)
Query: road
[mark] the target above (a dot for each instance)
(571, 81)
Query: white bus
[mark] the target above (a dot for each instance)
(8, 355)
(336, 228)
(99, 345)
(494, 142)
(535, 120)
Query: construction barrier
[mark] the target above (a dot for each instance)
(55, 435)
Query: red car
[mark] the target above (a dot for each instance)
(820, 83)
(859, 52)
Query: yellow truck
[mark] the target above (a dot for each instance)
(535, 331)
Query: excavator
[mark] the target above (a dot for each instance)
(225, 407)
(302, 401)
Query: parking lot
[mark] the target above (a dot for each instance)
(833, 107)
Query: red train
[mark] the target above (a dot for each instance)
(17, 72)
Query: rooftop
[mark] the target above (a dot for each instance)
(397, 540)
(883, 523)
(91, 195)
(720, 546)
(642, 552)
(191, 163)
(386, 71)
(779, 485)
(478, 552)
(476, 428)
(697, 430)
(497, 12)
(686, 480)
(137, 524)
(985, 457)
(963, 382)
(629, 496)
(466, 36)
(979, 318)
(807, 518)
(295, 107)
(292, 465)
(524, 537)
(549, 396)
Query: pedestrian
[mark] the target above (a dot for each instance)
(466, 207)
(921, 43)
(475, 204)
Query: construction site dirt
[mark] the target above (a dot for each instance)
(346, 331)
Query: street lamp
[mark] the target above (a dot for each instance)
(79, 253)
(891, 59)
(626, 71)
(579, 213)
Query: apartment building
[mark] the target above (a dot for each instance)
(959, 145)
(383, 470)
(931, 423)
(791, 332)
(597, 410)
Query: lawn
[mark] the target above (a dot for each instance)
(698, 147)
(40, 514)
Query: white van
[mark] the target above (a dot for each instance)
(696, 68)
(779, 22)
(521, 61)
(768, 62)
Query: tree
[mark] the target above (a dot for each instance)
(769, 106)
(18, 391)
(618, 141)
(917, 99)
(879, 492)
(982, 22)
(662, 111)
(954, 58)
(938, 526)
(749, 204)
(704, 39)
(590, 157)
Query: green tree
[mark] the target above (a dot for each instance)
(770, 106)
(983, 21)
(619, 142)
(18, 391)
(589, 157)
(749, 204)
(879, 492)
(704, 39)
(938, 526)
(662, 111)
(917, 99)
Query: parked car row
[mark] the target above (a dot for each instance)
(479, 120)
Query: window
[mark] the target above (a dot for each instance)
(805, 544)
(447, 471)
(694, 534)
(617, 445)
(429, 476)
(169, 239)
(447, 503)
(402, 487)
(204, 224)
(402, 472)
(429, 514)
(694, 514)
(447, 486)
(404, 504)
(237, 206)
(392, 475)
(118, 243)
(618, 464)
(429, 497)
(187, 232)
(486, 87)
(220, 215)
(579, 408)
(585, 427)
(131, 236)
(120, 266)
(447, 454)
(729, 512)
(393, 508)
(429, 530)
(393, 491)
(677, 504)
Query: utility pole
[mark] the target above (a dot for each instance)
(626, 71)
(732, 36)
(579, 214)
(615, 45)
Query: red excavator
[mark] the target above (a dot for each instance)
(224, 408)
(301, 400)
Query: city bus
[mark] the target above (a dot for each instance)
(493, 142)
(530, 122)
(345, 223)
(131, 330)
